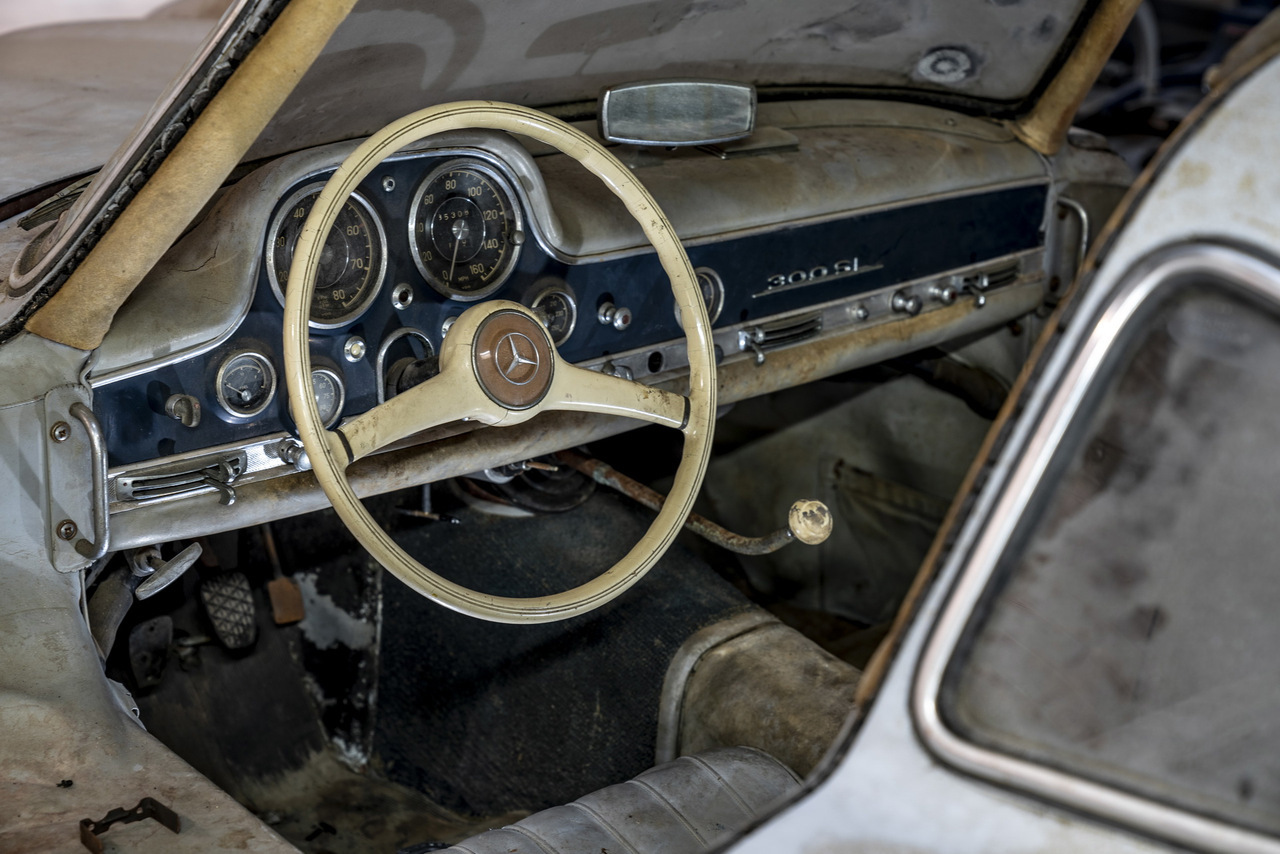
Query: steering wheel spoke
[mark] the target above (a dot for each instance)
(445, 398)
(579, 390)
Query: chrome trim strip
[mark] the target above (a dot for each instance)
(996, 526)
(262, 463)
(837, 315)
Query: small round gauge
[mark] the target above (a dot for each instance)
(465, 230)
(330, 394)
(246, 383)
(557, 308)
(353, 260)
(712, 288)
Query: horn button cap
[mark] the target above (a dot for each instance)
(513, 359)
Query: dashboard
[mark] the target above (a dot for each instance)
(806, 269)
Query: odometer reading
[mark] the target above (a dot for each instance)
(352, 261)
(465, 230)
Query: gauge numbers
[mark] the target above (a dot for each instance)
(465, 230)
(352, 262)
(246, 383)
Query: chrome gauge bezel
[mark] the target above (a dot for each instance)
(339, 386)
(268, 371)
(717, 299)
(277, 287)
(504, 186)
(569, 297)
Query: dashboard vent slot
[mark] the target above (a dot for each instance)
(188, 477)
(791, 331)
(996, 277)
(781, 333)
(1000, 276)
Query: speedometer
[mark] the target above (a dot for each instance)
(465, 230)
(353, 260)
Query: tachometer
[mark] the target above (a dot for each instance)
(352, 263)
(465, 230)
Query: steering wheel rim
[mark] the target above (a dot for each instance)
(331, 452)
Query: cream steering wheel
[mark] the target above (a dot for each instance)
(498, 367)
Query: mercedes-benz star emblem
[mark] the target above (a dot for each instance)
(516, 358)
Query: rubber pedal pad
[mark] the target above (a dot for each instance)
(229, 603)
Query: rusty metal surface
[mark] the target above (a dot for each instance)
(146, 808)
(606, 475)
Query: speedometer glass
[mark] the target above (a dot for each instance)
(465, 230)
(352, 261)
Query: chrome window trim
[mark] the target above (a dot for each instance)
(1070, 384)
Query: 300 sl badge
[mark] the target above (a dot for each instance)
(815, 275)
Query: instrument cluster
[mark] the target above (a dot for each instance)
(426, 234)
(390, 262)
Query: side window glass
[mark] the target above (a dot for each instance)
(1131, 635)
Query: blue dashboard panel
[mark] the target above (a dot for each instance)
(765, 274)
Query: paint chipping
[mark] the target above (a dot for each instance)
(327, 625)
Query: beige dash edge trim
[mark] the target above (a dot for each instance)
(1045, 127)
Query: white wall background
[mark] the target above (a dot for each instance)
(21, 14)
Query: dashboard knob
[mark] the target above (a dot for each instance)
(617, 316)
(184, 409)
(291, 452)
(906, 303)
(944, 293)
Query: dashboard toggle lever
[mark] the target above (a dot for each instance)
(808, 521)
(751, 339)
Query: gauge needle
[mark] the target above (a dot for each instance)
(459, 230)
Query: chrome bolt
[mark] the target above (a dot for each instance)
(388, 183)
(860, 312)
(60, 432)
(66, 529)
